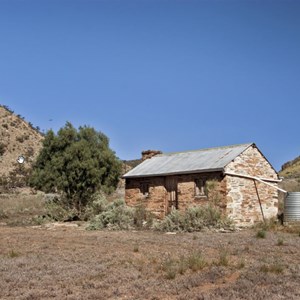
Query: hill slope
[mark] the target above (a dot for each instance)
(291, 173)
(17, 137)
(291, 169)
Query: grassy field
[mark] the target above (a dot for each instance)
(64, 261)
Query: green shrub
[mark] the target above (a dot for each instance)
(241, 264)
(172, 222)
(97, 205)
(141, 217)
(170, 267)
(223, 257)
(115, 216)
(193, 219)
(269, 224)
(13, 254)
(280, 242)
(261, 234)
(276, 268)
(58, 212)
(196, 261)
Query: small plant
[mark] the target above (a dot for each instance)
(223, 257)
(169, 266)
(136, 248)
(2, 149)
(3, 214)
(261, 234)
(39, 220)
(241, 264)
(171, 273)
(20, 139)
(276, 268)
(280, 242)
(196, 261)
(182, 266)
(13, 254)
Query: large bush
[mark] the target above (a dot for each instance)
(113, 215)
(76, 163)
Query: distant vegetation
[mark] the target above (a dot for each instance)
(291, 173)
(291, 169)
(133, 163)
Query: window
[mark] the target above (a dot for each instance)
(200, 188)
(144, 187)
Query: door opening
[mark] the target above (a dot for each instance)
(172, 197)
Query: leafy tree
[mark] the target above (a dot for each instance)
(76, 163)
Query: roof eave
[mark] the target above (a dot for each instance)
(174, 173)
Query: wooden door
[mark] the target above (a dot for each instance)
(172, 196)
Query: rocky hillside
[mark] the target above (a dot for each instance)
(291, 173)
(291, 169)
(17, 138)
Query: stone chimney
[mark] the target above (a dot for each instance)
(149, 153)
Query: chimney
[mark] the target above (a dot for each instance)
(149, 153)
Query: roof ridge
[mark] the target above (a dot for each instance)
(206, 149)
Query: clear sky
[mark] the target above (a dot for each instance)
(166, 75)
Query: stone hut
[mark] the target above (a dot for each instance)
(238, 179)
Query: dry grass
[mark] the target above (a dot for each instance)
(72, 263)
(21, 209)
(68, 262)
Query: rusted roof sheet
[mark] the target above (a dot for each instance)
(204, 160)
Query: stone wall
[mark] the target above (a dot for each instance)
(157, 199)
(215, 190)
(241, 199)
(244, 196)
(154, 201)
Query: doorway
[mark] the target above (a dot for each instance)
(172, 193)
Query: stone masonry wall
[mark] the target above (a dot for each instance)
(215, 190)
(157, 199)
(243, 195)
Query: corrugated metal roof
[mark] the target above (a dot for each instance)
(204, 160)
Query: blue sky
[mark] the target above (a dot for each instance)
(166, 75)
